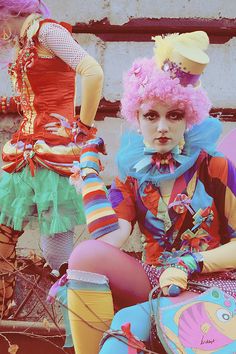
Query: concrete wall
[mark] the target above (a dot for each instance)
(116, 57)
(119, 11)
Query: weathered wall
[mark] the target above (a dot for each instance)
(116, 57)
(119, 11)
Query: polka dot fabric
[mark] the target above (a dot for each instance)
(226, 281)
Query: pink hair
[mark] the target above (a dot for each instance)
(15, 8)
(145, 84)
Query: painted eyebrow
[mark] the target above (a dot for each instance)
(151, 111)
(179, 110)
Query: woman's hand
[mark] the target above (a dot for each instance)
(61, 127)
(79, 133)
(178, 266)
(173, 277)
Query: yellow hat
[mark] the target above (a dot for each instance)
(183, 55)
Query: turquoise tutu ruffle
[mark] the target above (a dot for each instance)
(47, 197)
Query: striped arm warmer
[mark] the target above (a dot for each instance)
(100, 216)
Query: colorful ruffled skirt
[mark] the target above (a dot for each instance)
(47, 198)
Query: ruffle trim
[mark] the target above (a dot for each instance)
(24, 201)
(200, 137)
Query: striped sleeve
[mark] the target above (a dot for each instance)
(100, 217)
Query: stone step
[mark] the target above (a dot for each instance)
(31, 338)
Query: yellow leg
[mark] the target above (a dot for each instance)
(90, 314)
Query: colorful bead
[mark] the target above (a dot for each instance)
(174, 290)
(4, 104)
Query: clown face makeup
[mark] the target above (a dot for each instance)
(162, 126)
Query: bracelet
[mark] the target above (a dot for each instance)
(81, 131)
(191, 263)
(85, 172)
(184, 260)
(177, 266)
(199, 260)
(5, 104)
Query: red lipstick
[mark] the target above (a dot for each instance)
(163, 140)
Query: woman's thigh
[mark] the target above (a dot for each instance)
(128, 281)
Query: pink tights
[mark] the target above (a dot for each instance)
(127, 279)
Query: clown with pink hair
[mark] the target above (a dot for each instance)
(173, 183)
(10, 8)
(39, 157)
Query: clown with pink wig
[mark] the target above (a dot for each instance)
(39, 157)
(173, 183)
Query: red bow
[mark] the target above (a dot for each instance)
(196, 242)
(163, 159)
(132, 340)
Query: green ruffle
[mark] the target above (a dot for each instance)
(47, 197)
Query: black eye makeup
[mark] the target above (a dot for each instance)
(176, 114)
(151, 115)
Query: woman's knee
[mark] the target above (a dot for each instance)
(141, 330)
(139, 318)
(87, 255)
(121, 317)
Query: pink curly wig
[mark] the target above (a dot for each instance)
(145, 84)
(14, 8)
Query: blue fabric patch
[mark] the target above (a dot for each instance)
(200, 198)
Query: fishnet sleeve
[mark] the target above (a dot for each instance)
(60, 42)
